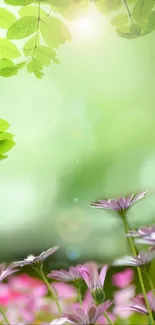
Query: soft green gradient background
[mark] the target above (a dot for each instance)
(85, 131)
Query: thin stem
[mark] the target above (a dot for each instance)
(37, 30)
(128, 10)
(145, 295)
(108, 319)
(50, 289)
(150, 282)
(127, 230)
(3, 315)
(133, 249)
(79, 297)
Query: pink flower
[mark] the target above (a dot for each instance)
(86, 303)
(25, 284)
(123, 279)
(123, 300)
(72, 274)
(142, 232)
(121, 204)
(65, 291)
(139, 305)
(143, 258)
(82, 317)
(95, 281)
(6, 271)
(36, 260)
(102, 320)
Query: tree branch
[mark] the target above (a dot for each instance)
(128, 10)
(37, 30)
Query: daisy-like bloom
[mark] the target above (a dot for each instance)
(143, 259)
(6, 271)
(139, 305)
(121, 204)
(73, 274)
(142, 232)
(36, 260)
(81, 317)
(148, 240)
(95, 281)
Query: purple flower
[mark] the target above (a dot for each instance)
(139, 305)
(119, 205)
(95, 281)
(81, 317)
(36, 260)
(143, 258)
(142, 232)
(6, 271)
(72, 274)
(149, 239)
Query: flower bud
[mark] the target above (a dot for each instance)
(98, 296)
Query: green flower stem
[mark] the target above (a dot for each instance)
(133, 249)
(79, 296)
(50, 289)
(108, 319)
(3, 315)
(150, 282)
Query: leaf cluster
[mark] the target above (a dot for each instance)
(6, 139)
(43, 27)
(131, 18)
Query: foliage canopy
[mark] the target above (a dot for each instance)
(43, 26)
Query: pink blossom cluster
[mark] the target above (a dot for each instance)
(79, 295)
(25, 299)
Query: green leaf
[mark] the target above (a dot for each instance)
(151, 21)
(125, 35)
(54, 31)
(7, 68)
(120, 20)
(6, 145)
(19, 2)
(3, 157)
(21, 65)
(112, 4)
(5, 135)
(38, 74)
(131, 1)
(45, 54)
(23, 27)
(135, 30)
(6, 63)
(8, 49)
(33, 65)
(31, 11)
(30, 45)
(70, 8)
(8, 72)
(62, 3)
(4, 125)
(6, 18)
(142, 10)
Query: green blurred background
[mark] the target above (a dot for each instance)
(85, 131)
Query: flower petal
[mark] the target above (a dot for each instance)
(103, 274)
(47, 253)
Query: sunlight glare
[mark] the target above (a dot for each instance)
(90, 27)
